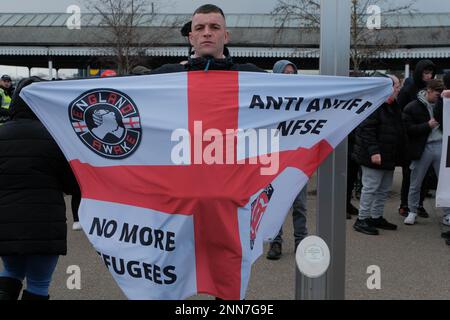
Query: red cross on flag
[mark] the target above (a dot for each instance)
(131, 123)
(184, 176)
(80, 126)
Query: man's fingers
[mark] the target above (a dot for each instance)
(446, 94)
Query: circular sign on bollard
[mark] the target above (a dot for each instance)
(313, 257)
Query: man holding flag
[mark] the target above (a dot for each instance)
(208, 38)
(185, 175)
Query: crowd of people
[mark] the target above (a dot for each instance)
(406, 132)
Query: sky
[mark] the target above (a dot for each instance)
(187, 6)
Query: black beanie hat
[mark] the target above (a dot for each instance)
(18, 107)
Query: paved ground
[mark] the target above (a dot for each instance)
(414, 262)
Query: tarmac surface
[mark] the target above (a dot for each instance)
(414, 261)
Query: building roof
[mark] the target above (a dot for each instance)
(261, 52)
(425, 35)
(233, 20)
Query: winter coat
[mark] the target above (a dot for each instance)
(415, 118)
(381, 133)
(413, 85)
(280, 65)
(33, 176)
(438, 113)
(198, 64)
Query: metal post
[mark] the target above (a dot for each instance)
(407, 70)
(50, 68)
(332, 175)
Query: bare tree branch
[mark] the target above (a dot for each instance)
(121, 22)
(364, 42)
(308, 11)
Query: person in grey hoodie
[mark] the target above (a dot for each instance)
(299, 205)
(424, 71)
(425, 143)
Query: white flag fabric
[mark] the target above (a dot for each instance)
(443, 189)
(177, 198)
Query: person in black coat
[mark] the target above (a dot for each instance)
(425, 70)
(418, 120)
(353, 170)
(425, 143)
(208, 37)
(33, 176)
(378, 149)
(205, 64)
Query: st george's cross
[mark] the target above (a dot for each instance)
(168, 229)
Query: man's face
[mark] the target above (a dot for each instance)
(5, 84)
(208, 35)
(289, 69)
(433, 95)
(427, 75)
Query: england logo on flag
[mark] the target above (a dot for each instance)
(107, 121)
(259, 206)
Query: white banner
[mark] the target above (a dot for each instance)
(443, 190)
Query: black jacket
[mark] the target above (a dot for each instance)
(438, 113)
(350, 145)
(33, 176)
(381, 133)
(198, 64)
(413, 85)
(415, 118)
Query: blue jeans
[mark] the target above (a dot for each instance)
(38, 271)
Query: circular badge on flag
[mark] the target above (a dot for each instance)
(107, 121)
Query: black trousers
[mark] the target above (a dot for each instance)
(76, 199)
(352, 175)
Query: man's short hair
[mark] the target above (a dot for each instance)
(436, 85)
(209, 8)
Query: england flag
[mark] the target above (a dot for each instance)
(185, 175)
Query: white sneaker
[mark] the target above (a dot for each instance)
(76, 226)
(411, 218)
(446, 220)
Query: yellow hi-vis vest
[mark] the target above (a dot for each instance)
(6, 100)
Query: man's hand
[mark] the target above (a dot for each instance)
(433, 123)
(446, 94)
(376, 159)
